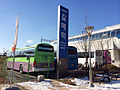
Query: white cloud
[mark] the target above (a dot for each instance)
(29, 41)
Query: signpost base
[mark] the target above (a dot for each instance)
(63, 67)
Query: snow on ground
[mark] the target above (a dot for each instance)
(43, 85)
(79, 82)
(82, 83)
(113, 85)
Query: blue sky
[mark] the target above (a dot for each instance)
(38, 18)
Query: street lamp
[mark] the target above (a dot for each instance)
(89, 31)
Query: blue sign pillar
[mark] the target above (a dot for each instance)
(62, 39)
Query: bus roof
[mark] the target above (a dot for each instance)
(33, 46)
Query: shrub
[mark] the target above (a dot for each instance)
(3, 66)
(111, 68)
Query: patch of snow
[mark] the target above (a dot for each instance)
(66, 85)
(113, 85)
(43, 85)
(81, 81)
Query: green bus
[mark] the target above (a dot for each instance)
(41, 58)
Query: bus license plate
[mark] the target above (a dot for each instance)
(45, 66)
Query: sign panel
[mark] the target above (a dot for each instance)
(62, 39)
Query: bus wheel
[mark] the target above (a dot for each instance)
(21, 69)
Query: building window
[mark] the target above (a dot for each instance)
(118, 34)
(92, 37)
(99, 35)
(104, 35)
(108, 34)
(95, 36)
(70, 40)
(85, 54)
(113, 33)
(80, 39)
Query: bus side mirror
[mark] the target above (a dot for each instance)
(28, 57)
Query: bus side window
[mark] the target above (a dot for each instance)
(22, 54)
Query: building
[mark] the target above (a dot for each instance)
(104, 39)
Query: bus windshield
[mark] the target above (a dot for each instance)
(72, 52)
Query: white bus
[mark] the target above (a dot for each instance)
(98, 58)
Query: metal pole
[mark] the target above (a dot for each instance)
(28, 67)
(12, 73)
(90, 71)
(41, 40)
(48, 68)
(13, 60)
(57, 68)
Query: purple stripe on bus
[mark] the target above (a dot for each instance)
(17, 65)
(25, 66)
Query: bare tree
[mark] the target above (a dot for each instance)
(101, 44)
(82, 44)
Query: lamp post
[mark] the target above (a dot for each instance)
(89, 31)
